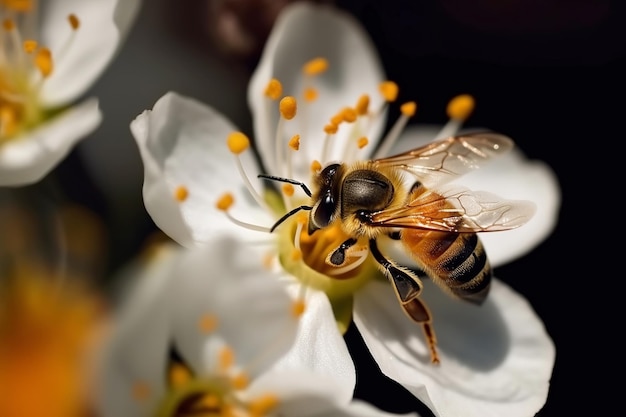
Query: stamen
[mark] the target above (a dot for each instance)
(310, 94)
(240, 381)
(362, 142)
(294, 142)
(208, 323)
(389, 90)
(298, 307)
(274, 89)
(362, 105)
(30, 46)
(348, 115)
(459, 109)
(225, 202)
(407, 111)
(315, 66)
(181, 193)
(226, 359)
(237, 143)
(262, 405)
(179, 375)
(288, 190)
(288, 107)
(43, 61)
(316, 166)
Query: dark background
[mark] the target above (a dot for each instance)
(547, 73)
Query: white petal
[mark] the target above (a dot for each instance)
(27, 159)
(183, 143)
(103, 27)
(136, 355)
(302, 32)
(511, 176)
(226, 280)
(319, 345)
(496, 359)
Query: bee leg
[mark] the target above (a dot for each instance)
(338, 256)
(420, 314)
(407, 285)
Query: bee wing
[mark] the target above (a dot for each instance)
(442, 161)
(457, 209)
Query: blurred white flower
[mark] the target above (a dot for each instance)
(50, 53)
(200, 334)
(496, 359)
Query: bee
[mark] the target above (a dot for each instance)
(408, 197)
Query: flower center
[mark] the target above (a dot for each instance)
(24, 66)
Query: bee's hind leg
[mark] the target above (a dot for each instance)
(419, 313)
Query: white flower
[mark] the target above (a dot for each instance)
(495, 360)
(50, 54)
(200, 334)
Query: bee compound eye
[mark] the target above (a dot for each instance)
(324, 211)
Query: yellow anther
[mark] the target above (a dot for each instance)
(29, 46)
(179, 375)
(288, 107)
(237, 142)
(262, 405)
(389, 90)
(336, 119)
(274, 89)
(18, 5)
(294, 142)
(362, 105)
(310, 94)
(181, 193)
(348, 114)
(226, 358)
(296, 255)
(43, 61)
(408, 108)
(315, 66)
(225, 202)
(210, 402)
(331, 129)
(288, 190)
(140, 391)
(316, 166)
(74, 22)
(207, 323)
(240, 381)
(460, 107)
(298, 307)
(362, 142)
(8, 24)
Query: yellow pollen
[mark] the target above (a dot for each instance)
(315, 66)
(208, 323)
(226, 358)
(262, 405)
(336, 119)
(181, 193)
(331, 129)
(237, 142)
(30, 46)
(294, 142)
(316, 166)
(348, 115)
(43, 61)
(296, 254)
(140, 391)
(362, 105)
(225, 202)
(274, 89)
(389, 90)
(408, 108)
(240, 381)
(210, 401)
(179, 375)
(460, 107)
(310, 94)
(288, 190)
(362, 142)
(74, 22)
(298, 308)
(288, 107)
(8, 24)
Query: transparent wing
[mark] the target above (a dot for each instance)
(456, 209)
(444, 160)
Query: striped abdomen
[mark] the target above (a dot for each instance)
(456, 261)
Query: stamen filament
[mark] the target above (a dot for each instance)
(408, 110)
(246, 225)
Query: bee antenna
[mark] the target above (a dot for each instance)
(288, 215)
(290, 181)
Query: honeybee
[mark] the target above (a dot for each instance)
(408, 197)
